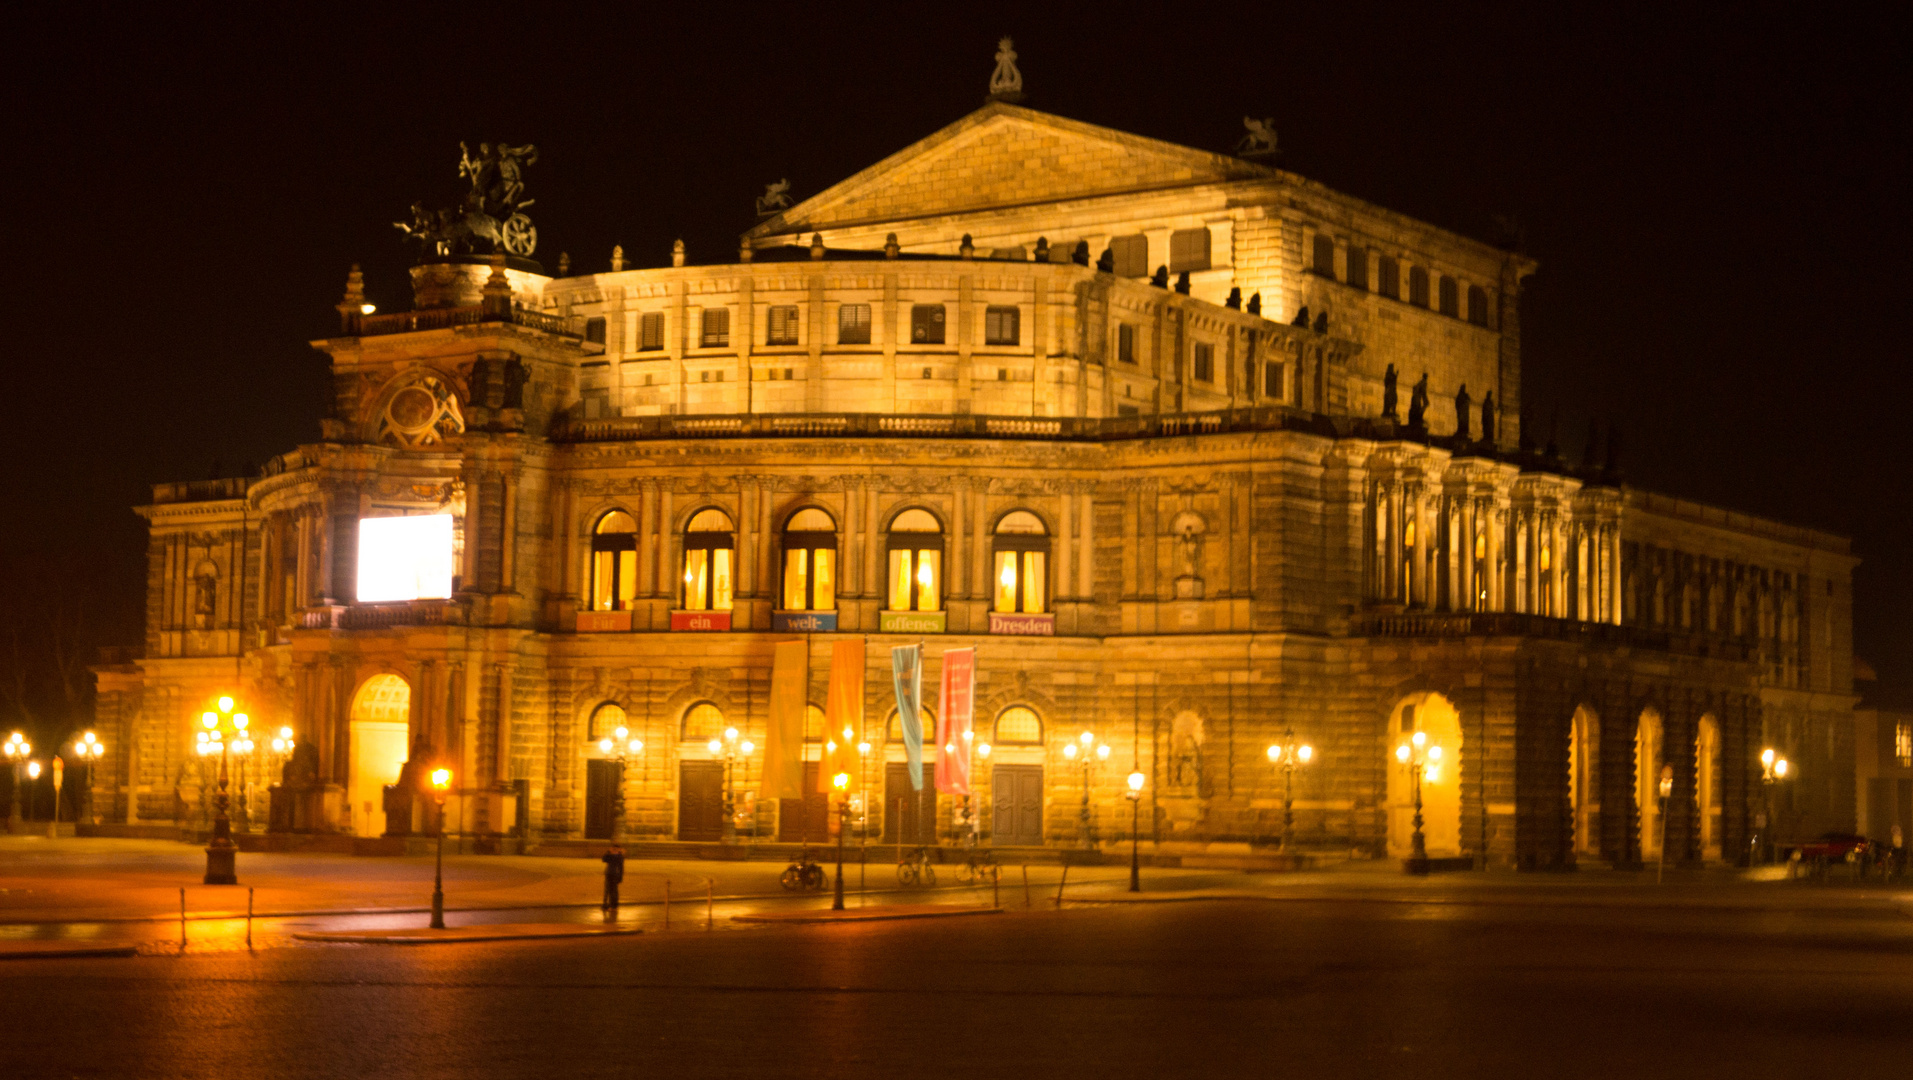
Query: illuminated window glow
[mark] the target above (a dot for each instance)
(405, 558)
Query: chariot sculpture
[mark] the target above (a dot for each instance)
(492, 211)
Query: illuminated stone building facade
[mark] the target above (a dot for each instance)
(1034, 386)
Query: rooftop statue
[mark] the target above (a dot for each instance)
(493, 210)
(1006, 82)
(776, 198)
(1418, 402)
(1260, 141)
(1388, 392)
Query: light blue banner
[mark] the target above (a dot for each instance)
(906, 671)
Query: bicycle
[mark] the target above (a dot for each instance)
(915, 868)
(980, 866)
(804, 875)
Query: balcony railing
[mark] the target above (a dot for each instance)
(403, 322)
(1448, 624)
(883, 425)
(384, 616)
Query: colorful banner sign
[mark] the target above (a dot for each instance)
(803, 622)
(600, 622)
(955, 706)
(700, 620)
(906, 672)
(1040, 625)
(911, 622)
(784, 737)
(843, 716)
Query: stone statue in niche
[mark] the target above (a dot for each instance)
(1185, 752)
(1188, 528)
(1388, 393)
(205, 599)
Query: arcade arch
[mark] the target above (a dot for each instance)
(378, 747)
(1648, 758)
(1707, 785)
(1438, 720)
(1584, 779)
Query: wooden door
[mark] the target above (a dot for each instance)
(1017, 805)
(914, 812)
(701, 800)
(601, 792)
(805, 820)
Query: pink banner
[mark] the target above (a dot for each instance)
(954, 717)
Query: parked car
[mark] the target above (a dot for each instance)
(1832, 847)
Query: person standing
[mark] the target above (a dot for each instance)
(613, 877)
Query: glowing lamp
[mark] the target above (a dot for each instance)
(749, 746)
(1136, 781)
(367, 309)
(441, 779)
(285, 733)
(636, 745)
(968, 735)
(1434, 753)
(841, 781)
(730, 733)
(1086, 738)
(240, 720)
(1103, 751)
(862, 748)
(949, 748)
(1434, 774)
(225, 704)
(714, 746)
(211, 720)
(621, 733)
(33, 770)
(1421, 738)
(983, 749)
(1304, 752)
(1069, 751)
(1767, 757)
(1401, 753)
(1275, 753)
(604, 746)
(1780, 768)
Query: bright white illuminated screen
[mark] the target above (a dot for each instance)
(405, 558)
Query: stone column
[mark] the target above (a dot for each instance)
(1064, 520)
(1086, 541)
(1468, 590)
(1424, 587)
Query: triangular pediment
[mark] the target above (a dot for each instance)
(1003, 155)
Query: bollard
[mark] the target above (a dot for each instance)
(248, 918)
(1060, 882)
(667, 903)
(709, 905)
(1026, 887)
(182, 920)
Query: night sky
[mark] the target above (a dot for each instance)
(1717, 204)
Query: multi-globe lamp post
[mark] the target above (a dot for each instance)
(840, 784)
(1774, 769)
(19, 751)
(728, 749)
(1423, 761)
(1091, 750)
(223, 728)
(88, 749)
(617, 746)
(1288, 756)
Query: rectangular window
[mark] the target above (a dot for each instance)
(1418, 287)
(1903, 744)
(716, 328)
(782, 327)
(1131, 255)
(1002, 326)
(1205, 362)
(594, 330)
(1188, 250)
(707, 579)
(1391, 277)
(1273, 381)
(651, 332)
(1128, 410)
(1358, 266)
(913, 578)
(853, 324)
(796, 579)
(1126, 343)
(1324, 255)
(1450, 297)
(405, 558)
(926, 324)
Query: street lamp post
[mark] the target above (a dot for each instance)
(18, 750)
(841, 782)
(1421, 758)
(727, 749)
(1091, 750)
(615, 746)
(1288, 756)
(441, 783)
(89, 749)
(1134, 795)
(221, 852)
(1773, 769)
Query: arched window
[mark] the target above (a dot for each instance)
(614, 562)
(709, 547)
(810, 561)
(1450, 296)
(703, 722)
(894, 726)
(813, 724)
(1022, 558)
(1018, 725)
(1325, 255)
(1418, 286)
(606, 719)
(915, 543)
(1477, 305)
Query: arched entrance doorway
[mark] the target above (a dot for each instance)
(379, 746)
(1707, 785)
(1647, 781)
(1584, 780)
(1440, 724)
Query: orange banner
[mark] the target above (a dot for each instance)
(843, 718)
